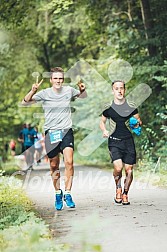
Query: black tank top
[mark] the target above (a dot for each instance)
(120, 114)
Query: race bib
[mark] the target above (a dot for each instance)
(55, 136)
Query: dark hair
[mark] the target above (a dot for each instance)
(118, 81)
(55, 70)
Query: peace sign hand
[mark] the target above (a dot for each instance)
(36, 85)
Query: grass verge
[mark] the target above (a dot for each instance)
(20, 229)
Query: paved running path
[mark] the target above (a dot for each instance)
(139, 227)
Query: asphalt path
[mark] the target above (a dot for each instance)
(97, 220)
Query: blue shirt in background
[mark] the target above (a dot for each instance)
(29, 136)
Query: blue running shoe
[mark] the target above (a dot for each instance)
(68, 200)
(59, 200)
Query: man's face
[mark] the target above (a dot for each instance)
(57, 80)
(118, 90)
(28, 125)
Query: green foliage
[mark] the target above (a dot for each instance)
(35, 36)
(153, 173)
(56, 6)
(13, 202)
(100, 157)
(9, 167)
(21, 229)
(32, 235)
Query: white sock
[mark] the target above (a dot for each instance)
(58, 191)
(67, 192)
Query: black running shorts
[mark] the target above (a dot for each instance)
(54, 149)
(123, 149)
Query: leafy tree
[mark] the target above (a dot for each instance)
(36, 35)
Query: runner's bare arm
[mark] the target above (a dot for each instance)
(28, 99)
(103, 126)
(20, 140)
(138, 118)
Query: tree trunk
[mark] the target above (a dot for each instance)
(46, 55)
(148, 25)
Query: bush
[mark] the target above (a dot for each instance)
(9, 168)
(14, 205)
(21, 230)
(31, 235)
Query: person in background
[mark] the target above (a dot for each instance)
(28, 135)
(12, 146)
(21, 138)
(38, 144)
